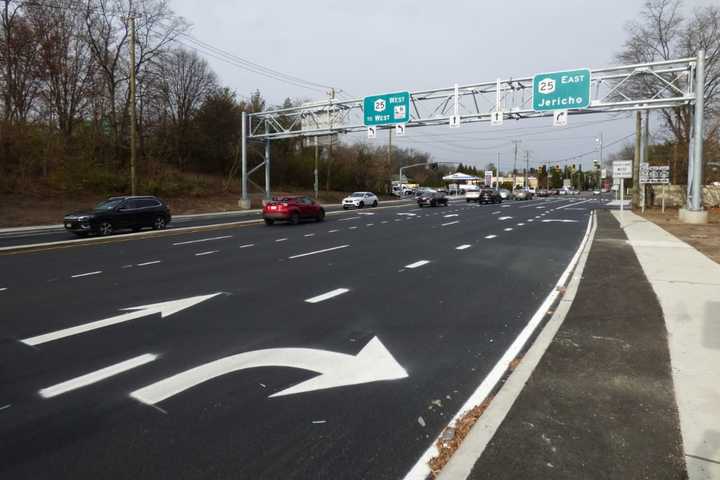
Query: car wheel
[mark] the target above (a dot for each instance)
(433, 203)
(105, 228)
(345, 207)
(269, 221)
(467, 200)
(420, 205)
(159, 223)
(295, 218)
(321, 216)
(361, 205)
(374, 203)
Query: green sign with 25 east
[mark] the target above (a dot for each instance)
(387, 109)
(561, 90)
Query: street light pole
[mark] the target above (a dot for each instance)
(131, 20)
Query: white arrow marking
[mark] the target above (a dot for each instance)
(373, 363)
(96, 376)
(165, 309)
(505, 218)
(559, 221)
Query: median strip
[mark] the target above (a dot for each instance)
(318, 251)
(96, 376)
(327, 296)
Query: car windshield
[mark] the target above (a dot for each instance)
(108, 204)
(358, 194)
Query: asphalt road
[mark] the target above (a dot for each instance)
(432, 297)
(33, 235)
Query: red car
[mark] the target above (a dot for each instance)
(292, 209)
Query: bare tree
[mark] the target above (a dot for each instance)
(18, 53)
(183, 81)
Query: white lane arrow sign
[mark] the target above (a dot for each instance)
(373, 363)
(165, 309)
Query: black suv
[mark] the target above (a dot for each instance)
(118, 213)
(432, 199)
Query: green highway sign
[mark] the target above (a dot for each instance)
(561, 90)
(387, 109)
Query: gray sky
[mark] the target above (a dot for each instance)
(365, 48)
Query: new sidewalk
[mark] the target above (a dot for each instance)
(628, 387)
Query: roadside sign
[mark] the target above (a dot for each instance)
(603, 173)
(488, 177)
(655, 175)
(372, 132)
(496, 118)
(561, 90)
(387, 109)
(644, 167)
(454, 121)
(400, 130)
(622, 169)
(560, 118)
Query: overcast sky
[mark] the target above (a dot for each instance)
(365, 48)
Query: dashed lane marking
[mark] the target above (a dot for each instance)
(450, 223)
(490, 237)
(210, 252)
(145, 264)
(203, 240)
(79, 275)
(417, 264)
(319, 251)
(462, 247)
(327, 295)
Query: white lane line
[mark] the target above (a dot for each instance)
(559, 220)
(530, 220)
(509, 229)
(495, 213)
(365, 213)
(328, 295)
(369, 224)
(352, 228)
(333, 231)
(490, 237)
(203, 240)
(87, 274)
(506, 206)
(417, 264)
(384, 221)
(406, 214)
(450, 223)
(96, 376)
(462, 247)
(247, 245)
(281, 240)
(451, 215)
(318, 251)
(149, 263)
(4, 407)
(573, 204)
(349, 218)
(309, 235)
(127, 266)
(520, 224)
(210, 252)
(397, 219)
(505, 218)
(421, 469)
(3, 289)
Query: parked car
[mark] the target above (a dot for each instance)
(432, 199)
(360, 200)
(484, 195)
(543, 193)
(119, 213)
(292, 209)
(522, 195)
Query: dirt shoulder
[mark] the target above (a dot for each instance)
(705, 238)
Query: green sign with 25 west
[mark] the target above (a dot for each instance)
(561, 90)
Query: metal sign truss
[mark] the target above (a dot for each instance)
(643, 86)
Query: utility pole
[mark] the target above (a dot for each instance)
(527, 169)
(515, 163)
(131, 20)
(637, 159)
(497, 176)
(597, 184)
(317, 182)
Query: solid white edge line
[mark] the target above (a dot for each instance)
(327, 295)
(484, 430)
(421, 469)
(86, 274)
(318, 251)
(96, 376)
(206, 253)
(417, 264)
(149, 263)
(203, 240)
